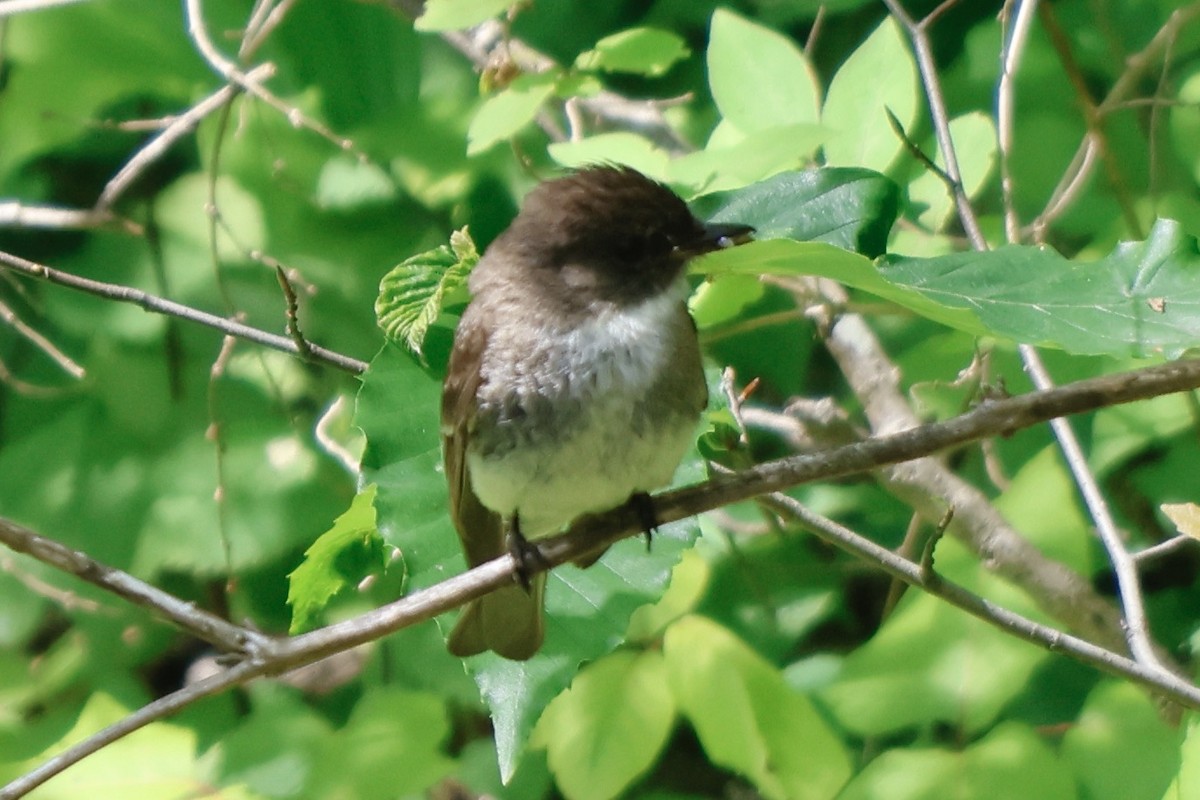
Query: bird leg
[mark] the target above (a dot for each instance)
(643, 505)
(529, 559)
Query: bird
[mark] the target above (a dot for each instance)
(575, 381)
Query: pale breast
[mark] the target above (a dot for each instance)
(584, 418)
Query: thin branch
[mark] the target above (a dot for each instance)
(1014, 46)
(127, 294)
(1135, 66)
(181, 126)
(15, 214)
(927, 68)
(65, 362)
(1092, 118)
(917, 574)
(247, 81)
(1163, 548)
(212, 629)
(1137, 627)
(10, 7)
(292, 314)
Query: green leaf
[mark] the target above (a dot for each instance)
(723, 298)
(752, 158)
(411, 294)
(450, 15)
(1040, 500)
(759, 78)
(1142, 300)
(1010, 763)
(344, 554)
(153, 762)
(851, 208)
(618, 147)
(879, 75)
(923, 665)
(645, 51)
(746, 716)
(391, 746)
(1120, 748)
(503, 114)
(1189, 768)
(786, 257)
(346, 184)
(609, 727)
(588, 610)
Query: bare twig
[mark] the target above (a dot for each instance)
(127, 294)
(215, 630)
(248, 82)
(14, 214)
(10, 7)
(927, 68)
(184, 124)
(1014, 46)
(1137, 627)
(1135, 66)
(65, 362)
(915, 574)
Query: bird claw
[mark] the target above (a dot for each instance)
(643, 506)
(528, 557)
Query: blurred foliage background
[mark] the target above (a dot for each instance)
(774, 665)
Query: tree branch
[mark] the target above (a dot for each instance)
(225, 635)
(160, 305)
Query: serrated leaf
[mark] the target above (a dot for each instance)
(450, 15)
(609, 727)
(759, 78)
(1142, 300)
(344, 554)
(411, 294)
(645, 51)
(878, 76)
(746, 716)
(503, 114)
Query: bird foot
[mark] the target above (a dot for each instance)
(643, 506)
(528, 557)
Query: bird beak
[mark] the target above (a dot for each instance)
(718, 236)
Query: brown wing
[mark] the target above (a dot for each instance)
(509, 620)
(479, 528)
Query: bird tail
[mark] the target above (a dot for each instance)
(509, 621)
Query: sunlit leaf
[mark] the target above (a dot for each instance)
(411, 294)
(646, 51)
(346, 553)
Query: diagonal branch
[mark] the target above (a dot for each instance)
(160, 305)
(200, 623)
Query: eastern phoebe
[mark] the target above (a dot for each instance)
(575, 381)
